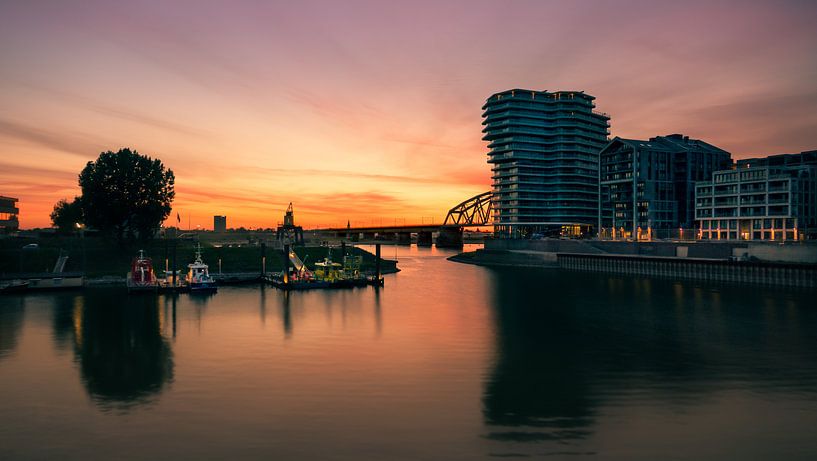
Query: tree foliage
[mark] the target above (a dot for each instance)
(125, 194)
(67, 215)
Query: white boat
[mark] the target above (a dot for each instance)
(198, 275)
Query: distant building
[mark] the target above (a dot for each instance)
(219, 224)
(9, 214)
(647, 188)
(544, 155)
(771, 198)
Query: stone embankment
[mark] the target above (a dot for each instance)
(791, 264)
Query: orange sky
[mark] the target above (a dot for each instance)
(367, 111)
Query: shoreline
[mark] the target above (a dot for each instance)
(666, 260)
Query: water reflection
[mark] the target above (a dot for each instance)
(62, 320)
(11, 323)
(576, 344)
(286, 315)
(538, 387)
(124, 359)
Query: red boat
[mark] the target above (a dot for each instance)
(141, 276)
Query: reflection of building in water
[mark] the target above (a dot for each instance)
(538, 380)
(124, 359)
(11, 322)
(571, 345)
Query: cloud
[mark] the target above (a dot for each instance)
(93, 105)
(69, 143)
(783, 122)
(308, 172)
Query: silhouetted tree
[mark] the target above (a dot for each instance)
(125, 194)
(67, 215)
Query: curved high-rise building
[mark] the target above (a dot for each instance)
(544, 151)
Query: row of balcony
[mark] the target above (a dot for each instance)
(566, 151)
(491, 134)
(492, 123)
(593, 140)
(756, 188)
(532, 176)
(732, 201)
(742, 212)
(539, 106)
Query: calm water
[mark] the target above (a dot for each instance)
(448, 362)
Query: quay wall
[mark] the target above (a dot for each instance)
(790, 252)
(789, 265)
(803, 253)
(743, 272)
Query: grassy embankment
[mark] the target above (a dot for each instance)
(98, 257)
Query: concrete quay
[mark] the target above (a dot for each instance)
(790, 264)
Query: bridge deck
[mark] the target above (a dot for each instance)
(400, 228)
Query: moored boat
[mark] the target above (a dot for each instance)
(13, 286)
(198, 276)
(327, 274)
(141, 276)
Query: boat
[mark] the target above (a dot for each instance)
(141, 276)
(327, 274)
(198, 276)
(13, 286)
(57, 279)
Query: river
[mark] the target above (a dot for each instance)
(447, 362)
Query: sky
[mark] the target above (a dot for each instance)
(370, 111)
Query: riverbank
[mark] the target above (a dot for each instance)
(792, 265)
(104, 262)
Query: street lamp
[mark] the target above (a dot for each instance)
(81, 230)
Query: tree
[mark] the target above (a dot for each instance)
(67, 215)
(125, 194)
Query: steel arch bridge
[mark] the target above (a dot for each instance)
(476, 211)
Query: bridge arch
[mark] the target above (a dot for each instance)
(476, 211)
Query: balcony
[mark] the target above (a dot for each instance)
(778, 201)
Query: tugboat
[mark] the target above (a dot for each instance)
(198, 276)
(141, 276)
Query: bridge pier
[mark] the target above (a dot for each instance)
(424, 239)
(450, 237)
(404, 238)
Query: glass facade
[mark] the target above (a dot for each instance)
(544, 159)
(647, 188)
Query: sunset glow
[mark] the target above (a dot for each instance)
(367, 111)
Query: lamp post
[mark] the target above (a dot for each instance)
(81, 230)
